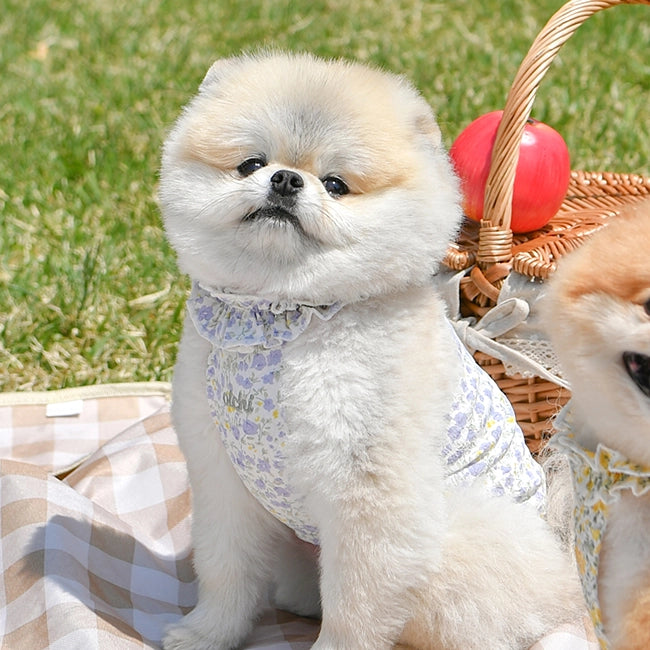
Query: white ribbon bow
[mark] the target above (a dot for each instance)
(481, 335)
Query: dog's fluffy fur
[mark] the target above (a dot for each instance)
(598, 308)
(365, 393)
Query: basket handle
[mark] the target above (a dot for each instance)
(495, 236)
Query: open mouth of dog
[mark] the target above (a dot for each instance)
(275, 216)
(638, 367)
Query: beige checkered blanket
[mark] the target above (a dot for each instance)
(94, 527)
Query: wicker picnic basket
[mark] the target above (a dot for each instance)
(490, 253)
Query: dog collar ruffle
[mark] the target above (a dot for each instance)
(230, 320)
(599, 478)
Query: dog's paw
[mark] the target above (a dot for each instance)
(207, 628)
(185, 636)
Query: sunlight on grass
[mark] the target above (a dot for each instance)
(89, 289)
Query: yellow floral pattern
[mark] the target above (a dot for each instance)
(598, 478)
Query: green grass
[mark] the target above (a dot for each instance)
(89, 290)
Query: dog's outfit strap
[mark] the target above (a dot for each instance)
(484, 441)
(599, 477)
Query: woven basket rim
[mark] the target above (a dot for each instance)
(592, 199)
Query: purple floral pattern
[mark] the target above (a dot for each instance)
(230, 320)
(485, 442)
(247, 335)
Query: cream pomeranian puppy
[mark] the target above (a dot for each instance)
(320, 395)
(598, 312)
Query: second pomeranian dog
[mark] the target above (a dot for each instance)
(598, 312)
(321, 396)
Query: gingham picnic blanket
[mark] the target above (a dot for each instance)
(95, 544)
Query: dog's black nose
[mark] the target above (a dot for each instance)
(285, 182)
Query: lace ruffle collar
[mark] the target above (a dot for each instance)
(606, 470)
(231, 320)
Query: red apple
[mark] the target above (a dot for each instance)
(541, 179)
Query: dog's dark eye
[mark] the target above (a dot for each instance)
(646, 306)
(335, 186)
(251, 165)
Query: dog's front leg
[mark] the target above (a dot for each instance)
(232, 534)
(233, 554)
(380, 541)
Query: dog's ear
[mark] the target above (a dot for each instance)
(228, 66)
(420, 115)
(217, 70)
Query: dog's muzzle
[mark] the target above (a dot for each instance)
(275, 215)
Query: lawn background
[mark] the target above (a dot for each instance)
(89, 290)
